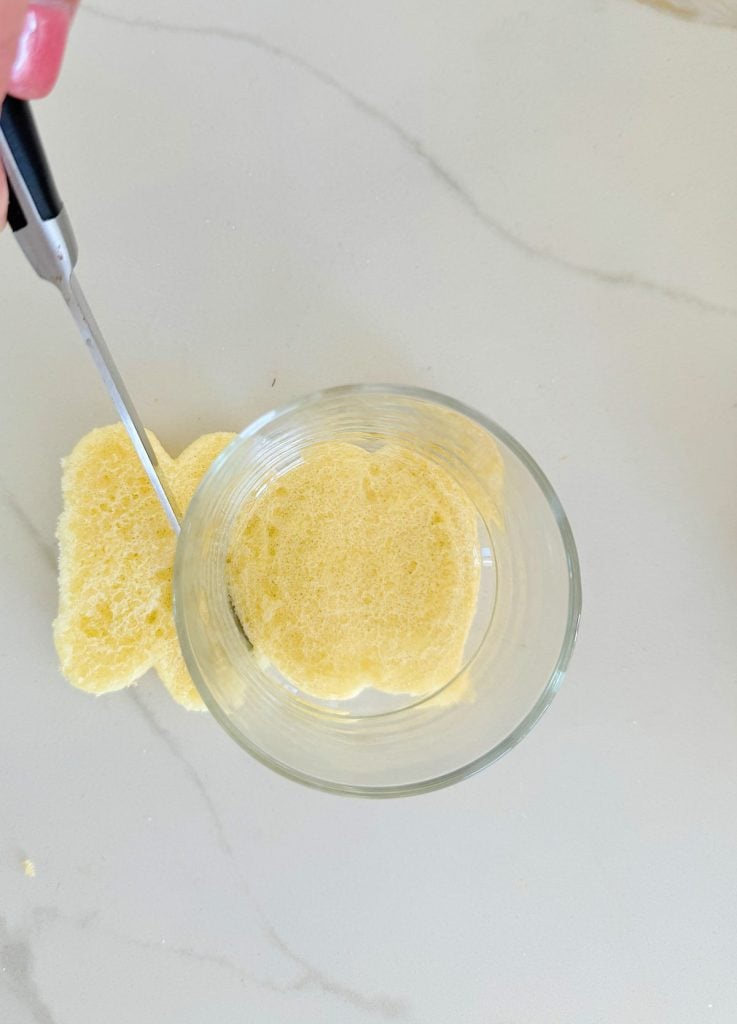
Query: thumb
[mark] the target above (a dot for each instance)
(11, 22)
(40, 49)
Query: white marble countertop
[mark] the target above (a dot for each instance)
(532, 207)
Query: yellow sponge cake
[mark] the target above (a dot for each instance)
(353, 569)
(358, 569)
(116, 555)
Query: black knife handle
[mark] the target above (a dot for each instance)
(21, 135)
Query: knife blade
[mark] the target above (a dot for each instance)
(42, 228)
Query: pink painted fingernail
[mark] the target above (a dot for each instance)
(40, 49)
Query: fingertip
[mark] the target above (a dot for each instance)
(40, 50)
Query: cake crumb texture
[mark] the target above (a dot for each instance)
(116, 557)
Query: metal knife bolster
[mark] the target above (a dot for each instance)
(49, 244)
(50, 247)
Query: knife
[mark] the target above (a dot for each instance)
(43, 230)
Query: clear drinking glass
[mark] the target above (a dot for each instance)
(519, 644)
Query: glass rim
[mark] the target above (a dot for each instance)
(570, 634)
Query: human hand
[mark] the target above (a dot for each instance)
(32, 39)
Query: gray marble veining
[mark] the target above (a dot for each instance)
(16, 972)
(624, 278)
